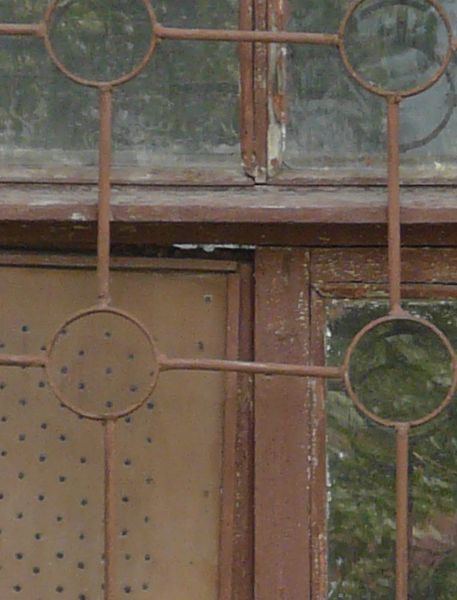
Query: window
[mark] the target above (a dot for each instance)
(359, 503)
(184, 110)
(213, 124)
(396, 44)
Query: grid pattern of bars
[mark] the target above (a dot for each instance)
(160, 362)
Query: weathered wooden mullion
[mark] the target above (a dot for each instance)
(282, 415)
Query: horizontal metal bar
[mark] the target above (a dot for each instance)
(17, 360)
(189, 364)
(226, 35)
(22, 29)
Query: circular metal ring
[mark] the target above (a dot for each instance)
(369, 413)
(407, 146)
(150, 343)
(94, 82)
(378, 90)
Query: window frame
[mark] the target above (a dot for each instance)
(286, 225)
(356, 274)
(262, 128)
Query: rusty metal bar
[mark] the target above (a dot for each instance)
(226, 35)
(36, 29)
(104, 197)
(17, 360)
(401, 555)
(393, 211)
(208, 364)
(109, 517)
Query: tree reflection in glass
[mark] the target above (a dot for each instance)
(361, 458)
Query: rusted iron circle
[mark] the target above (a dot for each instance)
(370, 414)
(153, 367)
(452, 93)
(94, 82)
(378, 90)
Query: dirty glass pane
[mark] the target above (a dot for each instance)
(361, 463)
(181, 112)
(27, 11)
(338, 128)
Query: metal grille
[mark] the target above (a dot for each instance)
(122, 338)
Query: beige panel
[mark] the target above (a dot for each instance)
(168, 459)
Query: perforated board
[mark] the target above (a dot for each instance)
(168, 455)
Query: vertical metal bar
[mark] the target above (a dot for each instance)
(104, 195)
(393, 218)
(109, 518)
(401, 556)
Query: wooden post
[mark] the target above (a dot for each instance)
(282, 493)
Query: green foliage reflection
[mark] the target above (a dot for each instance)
(404, 351)
(184, 108)
(361, 459)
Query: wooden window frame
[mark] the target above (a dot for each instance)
(291, 228)
(291, 284)
(292, 287)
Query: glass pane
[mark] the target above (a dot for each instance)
(327, 105)
(31, 11)
(361, 463)
(406, 351)
(182, 112)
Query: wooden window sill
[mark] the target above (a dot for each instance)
(62, 216)
(257, 205)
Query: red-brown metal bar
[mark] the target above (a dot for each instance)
(104, 197)
(401, 555)
(109, 518)
(207, 364)
(393, 216)
(226, 35)
(17, 360)
(22, 29)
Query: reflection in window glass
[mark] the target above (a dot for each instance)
(335, 124)
(182, 110)
(361, 463)
(30, 11)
